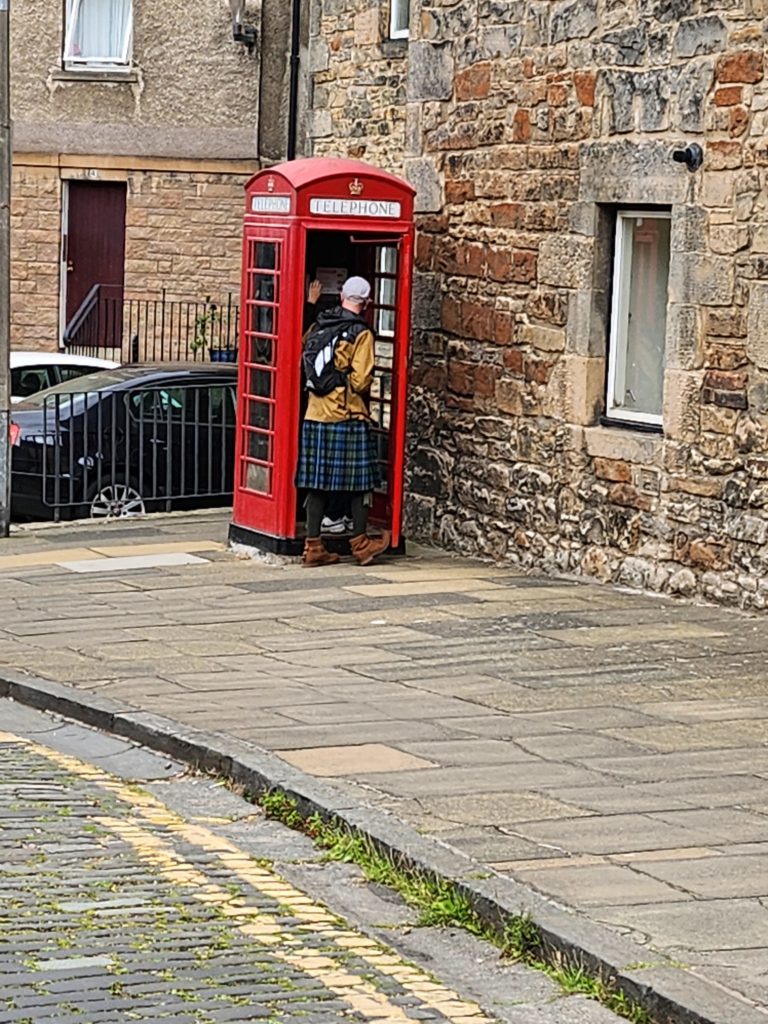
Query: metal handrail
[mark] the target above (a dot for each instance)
(84, 310)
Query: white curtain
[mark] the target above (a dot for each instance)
(101, 30)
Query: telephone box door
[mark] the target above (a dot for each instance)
(263, 392)
(383, 261)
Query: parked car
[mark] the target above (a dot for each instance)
(125, 441)
(35, 371)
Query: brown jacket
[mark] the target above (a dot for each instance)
(350, 402)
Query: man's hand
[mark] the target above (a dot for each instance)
(314, 293)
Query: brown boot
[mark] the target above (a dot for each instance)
(366, 548)
(316, 554)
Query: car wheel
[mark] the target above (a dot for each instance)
(116, 501)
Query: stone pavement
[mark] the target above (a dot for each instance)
(606, 748)
(177, 900)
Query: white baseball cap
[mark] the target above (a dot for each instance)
(356, 289)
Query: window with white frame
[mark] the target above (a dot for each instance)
(399, 17)
(98, 34)
(638, 316)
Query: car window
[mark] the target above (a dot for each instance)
(205, 404)
(158, 403)
(222, 406)
(100, 381)
(29, 380)
(71, 372)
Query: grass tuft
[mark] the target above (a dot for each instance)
(441, 903)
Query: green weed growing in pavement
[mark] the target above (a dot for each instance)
(282, 808)
(186, 995)
(438, 901)
(441, 902)
(520, 939)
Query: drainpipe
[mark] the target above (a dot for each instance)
(293, 87)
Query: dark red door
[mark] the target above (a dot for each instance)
(95, 241)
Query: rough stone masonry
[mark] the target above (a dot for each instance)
(525, 125)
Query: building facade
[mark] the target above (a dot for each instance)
(589, 390)
(135, 127)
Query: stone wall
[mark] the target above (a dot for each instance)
(525, 125)
(183, 233)
(357, 94)
(35, 242)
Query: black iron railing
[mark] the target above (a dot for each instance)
(125, 453)
(112, 325)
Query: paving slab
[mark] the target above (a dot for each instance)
(607, 749)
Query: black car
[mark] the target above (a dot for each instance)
(125, 441)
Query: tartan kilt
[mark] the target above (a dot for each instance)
(337, 457)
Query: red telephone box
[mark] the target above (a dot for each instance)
(325, 219)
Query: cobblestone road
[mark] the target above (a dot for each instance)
(114, 907)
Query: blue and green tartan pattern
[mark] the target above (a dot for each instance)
(337, 457)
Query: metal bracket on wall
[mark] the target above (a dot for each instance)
(246, 35)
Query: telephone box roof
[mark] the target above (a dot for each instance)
(308, 170)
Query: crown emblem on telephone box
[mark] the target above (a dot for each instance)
(270, 184)
(355, 187)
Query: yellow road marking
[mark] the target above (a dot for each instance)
(360, 994)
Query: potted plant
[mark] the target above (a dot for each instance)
(207, 326)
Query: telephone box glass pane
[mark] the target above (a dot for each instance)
(259, 415)
(262, 351)
(260, 383)
(265, 288)
(258, 446)
(266, 256)
(257, 478)
(385, 281)
(262, 319)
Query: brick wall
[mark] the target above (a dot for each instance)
(35, 240)
(525, 125)
(183, 234)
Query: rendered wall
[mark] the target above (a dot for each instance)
(193, 91)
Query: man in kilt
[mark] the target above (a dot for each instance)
(337, 452)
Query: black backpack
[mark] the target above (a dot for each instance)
(332, 326)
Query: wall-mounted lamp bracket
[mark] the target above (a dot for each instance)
(241, 33)
(246, 35)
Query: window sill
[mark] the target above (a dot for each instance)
(127, 77)
(643, 428)
(624, 443)
(397, 47)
